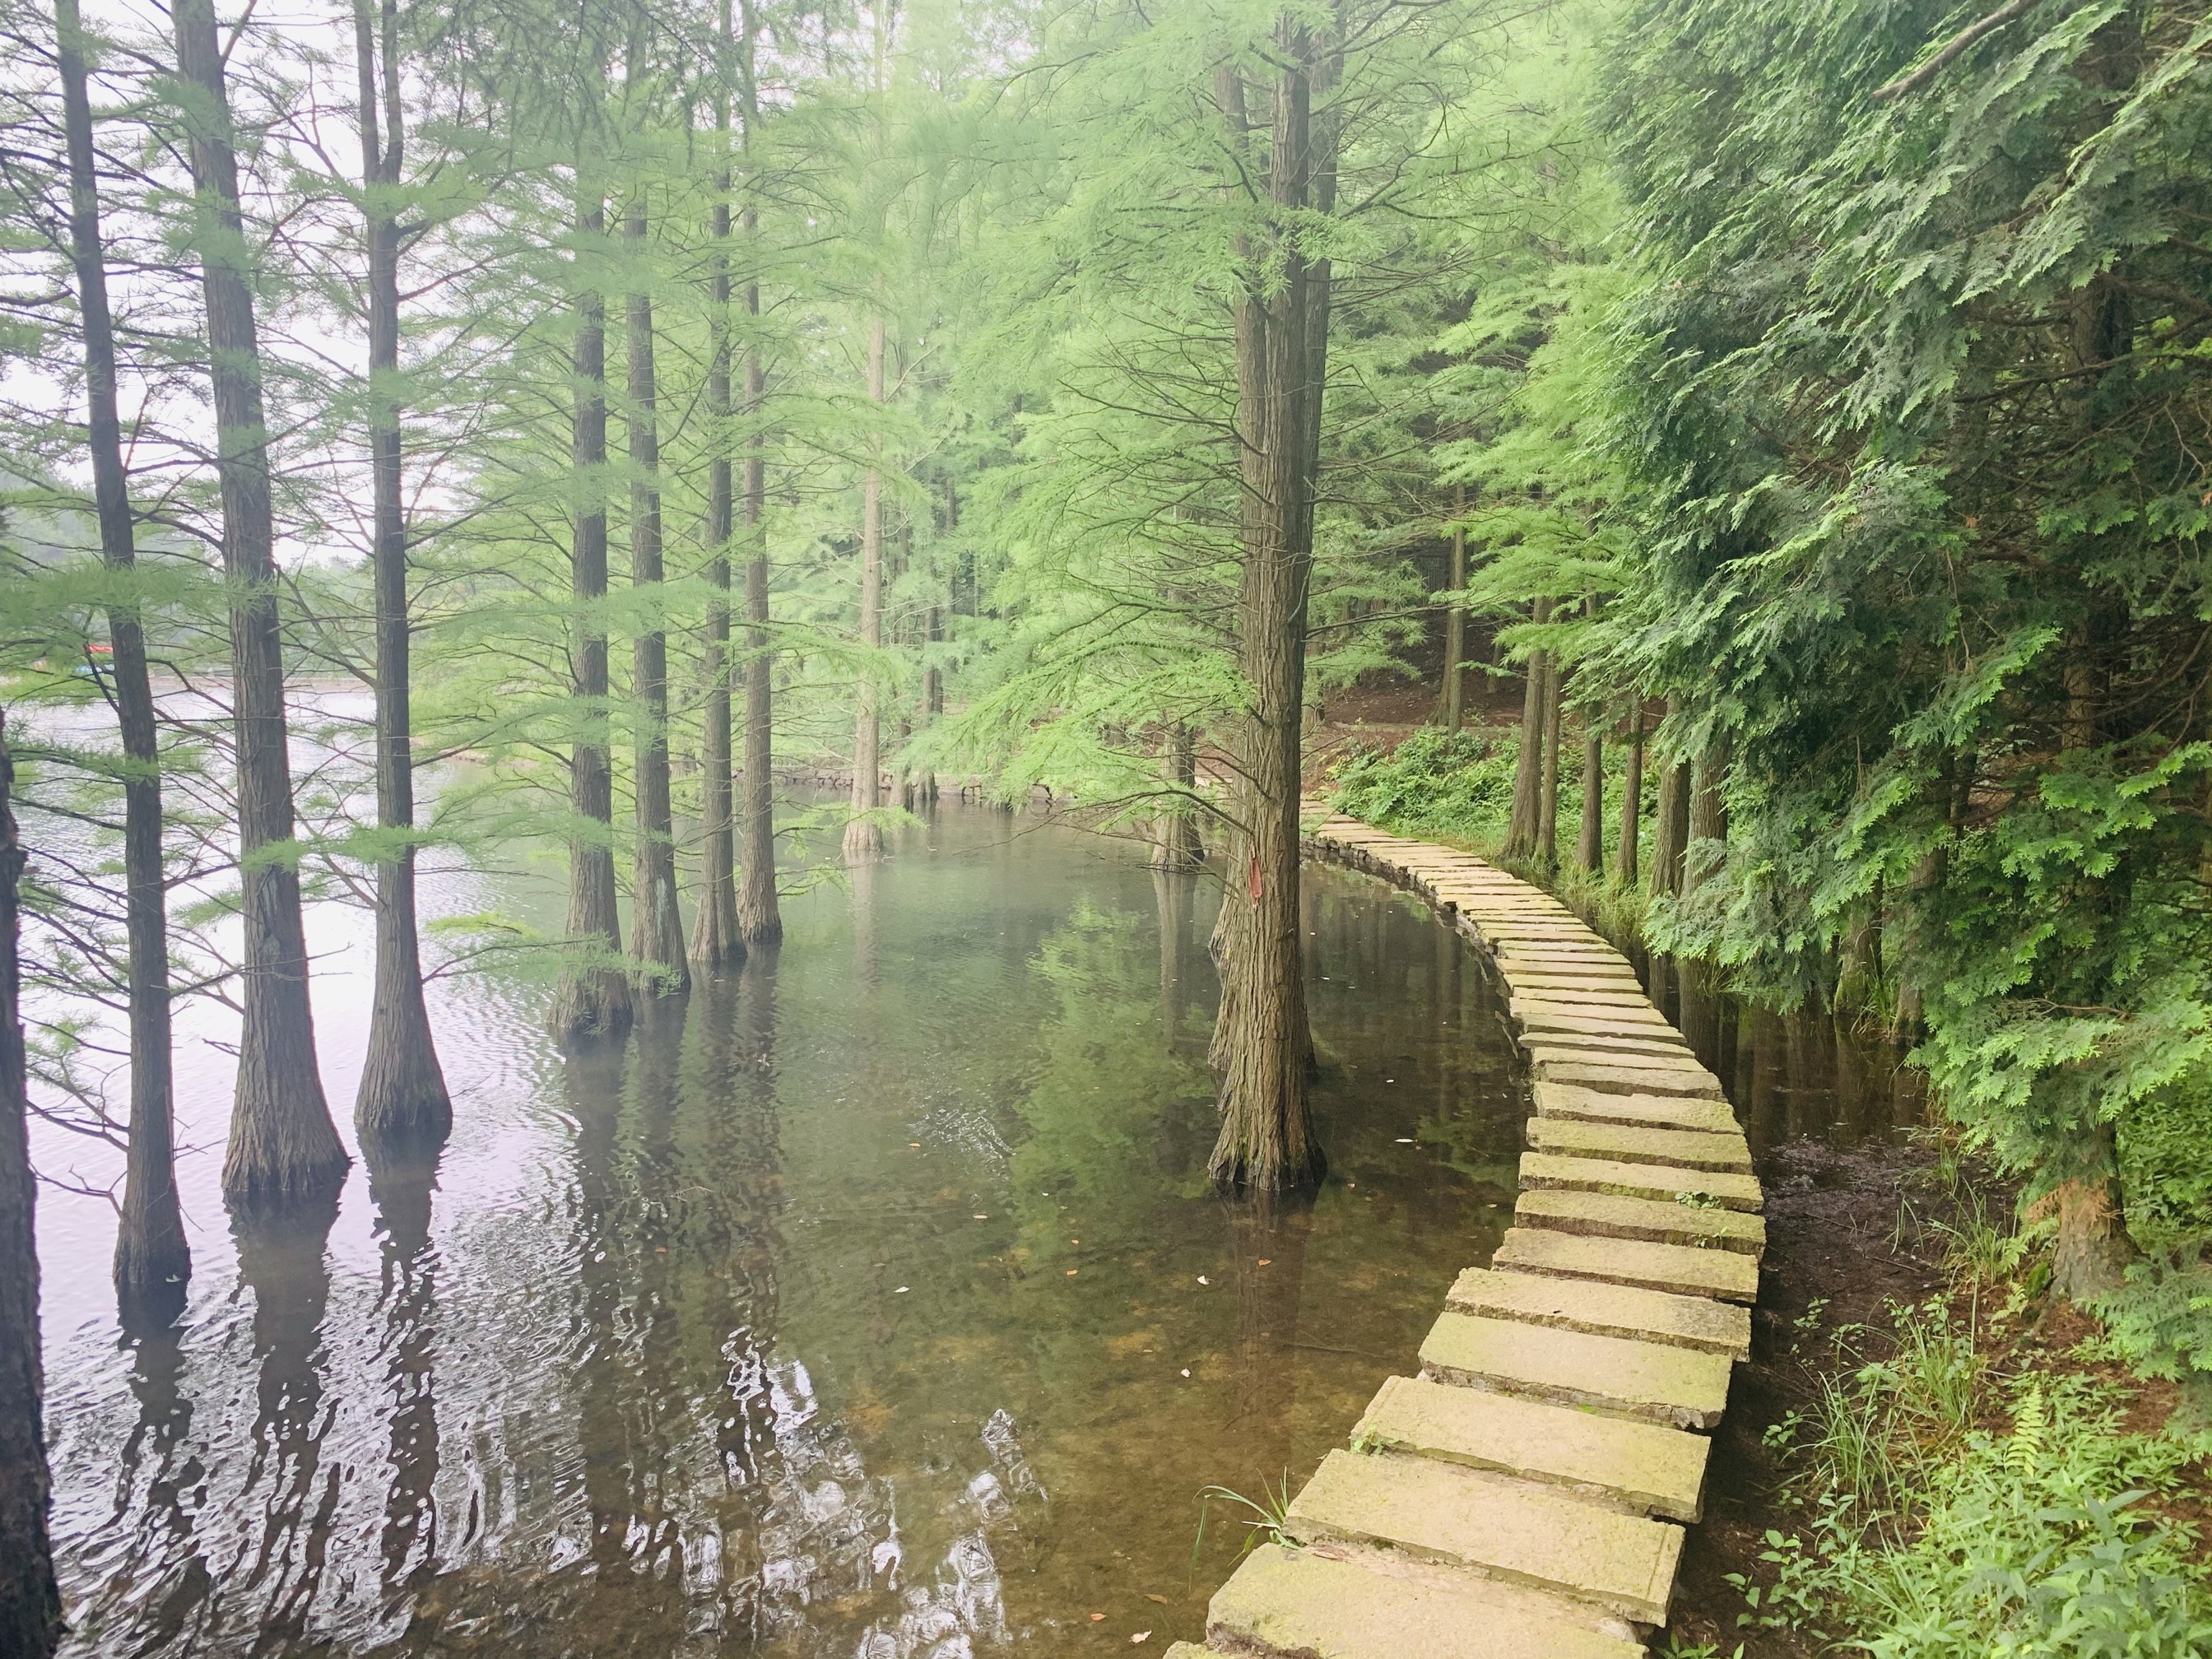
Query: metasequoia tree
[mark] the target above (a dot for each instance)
(656, 921)
(282, 1143)
(30, 1604)
(1261, 1048)
(864, 832)
(403, 1090)
(593, 997)
(151, 1249)
(717, 941)
(759, 920)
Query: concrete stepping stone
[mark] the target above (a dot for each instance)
(1494, 1526)
(1548, 1014)
(1632, 1046)
(1654, 1220)
(1631, 1143)
(1584, 999)
(1622, 1078)
(1677, 1269)
(1657, 1381)
(1338, 1604)
(1660, 1111)
(1642, 1468)
(1605, 1309)
(1557, 1172)
(1555, 987)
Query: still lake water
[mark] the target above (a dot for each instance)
(869, 1303)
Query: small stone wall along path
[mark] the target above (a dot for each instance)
(1524, 1495)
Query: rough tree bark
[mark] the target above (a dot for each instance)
(1631, 799)
(759, 920)
(656, 937)
(152, 1259)
(592, 1000)
(403, 1090)
(1590, 842)
(1525, 812)
(30, 1605)
(1672, 830)
(282, 1143)
(716, 943)
(1704, 850)
(1262, 1049)
(1451, 709)
(864, 834)
(1547, 808)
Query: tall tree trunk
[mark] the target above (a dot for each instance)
(1590, 843)
(1176, 844)
(1708, 828)
(933, 688)
(2090, 1255)
(592, 1000)
(1547, 810)
(1631, 799)
(715, 941)
(152, 1259)
(1523, 820)
(403, 1090)
(656, 937)
(282, 1143)
(1672, 831)
(864, 834)
(1451, 707)
(759, 920)
(30, 1605)
(1262, 1048)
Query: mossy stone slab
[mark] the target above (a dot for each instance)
(1493, 1526)
(1677, 1269)
(1556, 1172)
(1631, 1143)
(1346, 1604)
(1605, 1309)
(1664, 1383)
(1622, 1077)
(1655, 1220)
(1644, 1468)
(1659, 1111)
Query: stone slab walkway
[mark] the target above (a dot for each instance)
(1524, 1495)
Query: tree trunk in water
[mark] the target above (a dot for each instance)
(1590, 843)
(1631, 800)
(1706, 850)
(716, 943)
(152, 1259)
(402, 1091)
(282, 1143)
(1175, 834)
(1672, 831)
(593, 997)
(933, 693)
(30, 1605)
(1262, 1049)
(1452, 711)
(1547, 809)
(656, 936)
(1529, 758)
(759, 920)
(864, 834)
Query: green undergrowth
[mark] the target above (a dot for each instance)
(1456, 788)
(1960, 1491)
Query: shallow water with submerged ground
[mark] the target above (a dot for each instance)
(870, 1302)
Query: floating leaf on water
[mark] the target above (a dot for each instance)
(1142, 1635)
